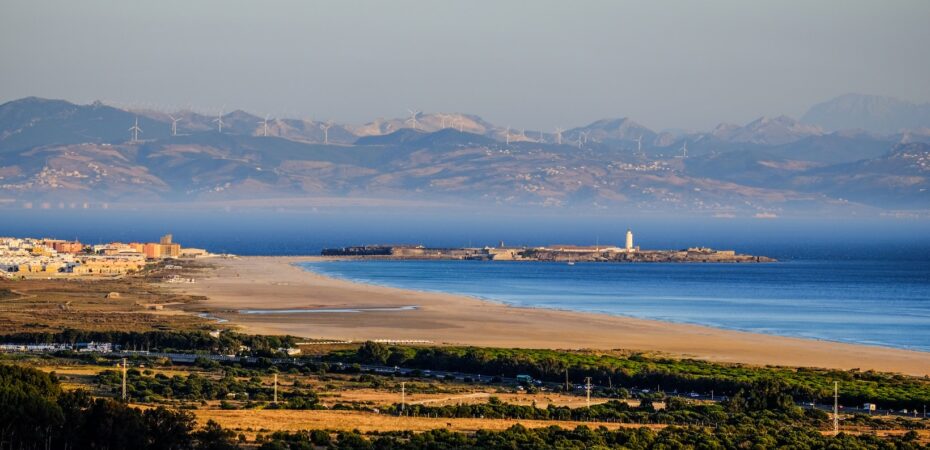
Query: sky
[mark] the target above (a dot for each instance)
(535, 65)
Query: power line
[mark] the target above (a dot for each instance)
(836, 408)
(124, 379)
(587, 389)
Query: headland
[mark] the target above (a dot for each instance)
(383, 313)
(553, 253)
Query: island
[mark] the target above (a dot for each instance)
(553, 253)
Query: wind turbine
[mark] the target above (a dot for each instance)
(507, 135)
(325, 127)
(639, 144)
(135, 131)
(558, 135)
(583, 135)
(684, 149)
(174, 124)
(219, 121)
(264, 124)
(413, 118)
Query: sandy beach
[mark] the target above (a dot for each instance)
(275, 283)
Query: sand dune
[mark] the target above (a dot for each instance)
(274, 283)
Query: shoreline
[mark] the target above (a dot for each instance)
(276, 283)
(569, 310)
(320, 259)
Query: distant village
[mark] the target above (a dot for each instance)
(25, 257)
(557, 253)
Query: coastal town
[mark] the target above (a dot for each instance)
(552, 253)
(46, 257)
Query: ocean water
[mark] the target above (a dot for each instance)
(853, 279)
(882, 302)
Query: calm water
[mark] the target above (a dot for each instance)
(880, 302)
(858, 280)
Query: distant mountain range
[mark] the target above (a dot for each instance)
(872, 113)
(58, 154)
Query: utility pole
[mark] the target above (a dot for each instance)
(403, 396)
(276, 389)
(836, 408)
(124, 379)
(587, 389)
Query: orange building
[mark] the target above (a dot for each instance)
(68, 247)
(108, 266)
(164, 249)
(152, 250)
(168, 248)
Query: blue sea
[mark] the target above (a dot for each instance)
(850, 279)
(878, 302)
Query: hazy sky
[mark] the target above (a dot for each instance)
(533, 64)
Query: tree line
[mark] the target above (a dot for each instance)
(141, 387)
(36, 414)
(735, 437)
(228, 342)
(637, 371)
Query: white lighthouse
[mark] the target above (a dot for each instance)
(629, 240)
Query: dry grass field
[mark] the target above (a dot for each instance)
(923, 436)
(348, 390)
(82, 303)
(335, 389)
(74, 376)
(469, 395)
(266, 420)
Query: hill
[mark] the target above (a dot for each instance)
(54, 152)
(872, 113)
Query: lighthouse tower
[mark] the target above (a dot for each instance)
(629, 240)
